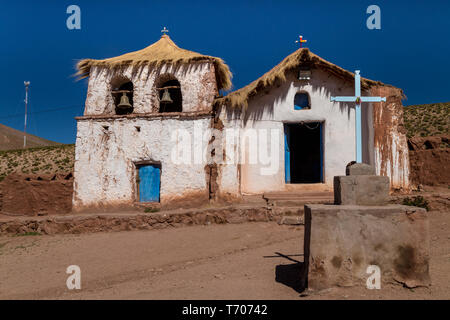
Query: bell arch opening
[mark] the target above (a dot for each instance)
(170, 97)
(122, 92)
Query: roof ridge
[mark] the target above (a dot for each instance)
(240, 97)
(163, 51)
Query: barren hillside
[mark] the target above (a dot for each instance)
(13, 139)
(427, 119)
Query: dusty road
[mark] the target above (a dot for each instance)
(202, 262)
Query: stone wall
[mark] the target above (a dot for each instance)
(109, 222)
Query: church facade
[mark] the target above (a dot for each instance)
(156, 130)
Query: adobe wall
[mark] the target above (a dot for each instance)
(105, 170)
(272, 109)
(390, 143)
(197, 80)
(36, 194)
(429, 158)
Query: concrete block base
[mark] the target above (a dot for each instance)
(342, 241)
(360, 169)
(363, 190)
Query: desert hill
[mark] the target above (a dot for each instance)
(427, 119)
(11, 139)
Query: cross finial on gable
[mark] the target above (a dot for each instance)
(300, 40)
(164, 31)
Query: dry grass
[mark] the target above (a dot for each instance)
(300, 58)
(427, 119)
(43, 160)
(164, 51)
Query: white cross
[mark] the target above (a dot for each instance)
(165, 31)
(358, 99)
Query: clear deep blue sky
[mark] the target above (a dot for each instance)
(411, 51)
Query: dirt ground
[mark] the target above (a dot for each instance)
(233, 261)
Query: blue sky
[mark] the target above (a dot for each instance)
(411, 51)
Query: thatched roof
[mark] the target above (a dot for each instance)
(239, 98)
(164, 51)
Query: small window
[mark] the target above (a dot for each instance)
(170, 99)
(301, 101)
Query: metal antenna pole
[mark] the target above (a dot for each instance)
(26, 83)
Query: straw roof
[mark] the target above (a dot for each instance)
(301, 57)
(164, 51)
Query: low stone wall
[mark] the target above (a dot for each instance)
(132, 221)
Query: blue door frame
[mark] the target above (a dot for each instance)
(149, 182)
(321, 153)
(287, 153)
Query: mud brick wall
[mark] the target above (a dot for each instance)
(390, 143)
(33, 195)
(430, 160)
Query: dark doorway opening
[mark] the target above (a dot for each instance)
(303, 152)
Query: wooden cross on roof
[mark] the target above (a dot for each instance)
(300, 40)
(164, 31)
(358, 100)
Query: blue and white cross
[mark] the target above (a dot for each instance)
(358, 99)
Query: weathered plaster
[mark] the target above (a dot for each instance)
(384, 144)
(105, 173)
(390, 143)
(108, 146)
(198, 87)
(270, 110)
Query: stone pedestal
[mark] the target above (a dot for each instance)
(361, 190)
(361, 186)
(345, 240)
(361, 229)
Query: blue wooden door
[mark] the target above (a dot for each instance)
(149, 183)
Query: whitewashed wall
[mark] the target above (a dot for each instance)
(271, 110)
(105, 173)
(198, 87)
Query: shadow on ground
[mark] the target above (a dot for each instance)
(291, 275)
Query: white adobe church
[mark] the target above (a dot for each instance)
(139, 103)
